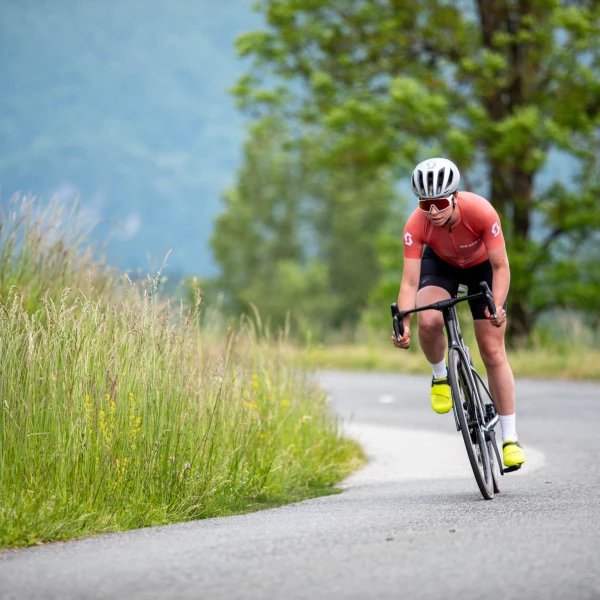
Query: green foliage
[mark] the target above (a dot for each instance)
(494, 84)
(390, 252)
(297, 238)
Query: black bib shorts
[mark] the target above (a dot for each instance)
(439, 273)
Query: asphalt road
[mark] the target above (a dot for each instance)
(410, 525)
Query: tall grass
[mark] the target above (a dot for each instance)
(126, 415)
(45, 249)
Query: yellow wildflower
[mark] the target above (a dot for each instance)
(104, 426)
(107, 425)
(120, 471)
(135, 422)
(111, 413)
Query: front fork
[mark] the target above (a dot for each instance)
(467, 355)
(490, 418)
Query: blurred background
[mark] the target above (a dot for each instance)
(125, 105)
(268, 145)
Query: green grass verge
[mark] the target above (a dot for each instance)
(563, 346)
(117, 413)
(559, 363)
(115, 419)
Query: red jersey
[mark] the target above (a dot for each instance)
(466, 243)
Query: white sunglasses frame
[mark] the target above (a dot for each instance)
(450, 199)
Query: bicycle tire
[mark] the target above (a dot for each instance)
(494, 465)
(464, 399)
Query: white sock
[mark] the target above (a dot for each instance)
(439, 370)
(509, 429)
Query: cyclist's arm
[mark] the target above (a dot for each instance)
(501, 272)
(407, 296)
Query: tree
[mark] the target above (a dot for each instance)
(294, 237)
(496, 85)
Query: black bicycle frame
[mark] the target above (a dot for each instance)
(453, 333)
(448, 310)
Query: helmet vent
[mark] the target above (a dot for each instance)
(421, 184)
(440, 186)
(430, 184)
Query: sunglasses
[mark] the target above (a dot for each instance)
(440, 203)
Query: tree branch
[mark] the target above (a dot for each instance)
(543, 251)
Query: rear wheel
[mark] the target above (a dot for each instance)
(465, 403)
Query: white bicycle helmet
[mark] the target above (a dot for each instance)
(435, 177)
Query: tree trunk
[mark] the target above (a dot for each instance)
(512, 196)
(512, 185)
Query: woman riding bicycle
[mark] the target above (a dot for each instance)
(456, 238)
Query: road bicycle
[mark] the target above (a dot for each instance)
(474, 411)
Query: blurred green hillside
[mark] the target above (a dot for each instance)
(126, 104)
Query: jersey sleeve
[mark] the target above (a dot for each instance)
(413, 238)
(491, 235)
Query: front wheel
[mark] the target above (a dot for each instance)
(465, 402)
(494, 465)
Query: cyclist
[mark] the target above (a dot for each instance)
(456, 237)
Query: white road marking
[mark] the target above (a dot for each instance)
(386, 399)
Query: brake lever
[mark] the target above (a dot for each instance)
(489, 299)
(398, 324)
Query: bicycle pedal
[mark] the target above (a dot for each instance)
(511, 469)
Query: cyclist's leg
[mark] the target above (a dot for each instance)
(431, 324)
(437, 282)
(490, 341)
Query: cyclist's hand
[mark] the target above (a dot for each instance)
(404, 343)
(500, 316)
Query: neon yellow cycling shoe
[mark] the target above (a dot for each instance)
(513, 453)
(441, 397)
